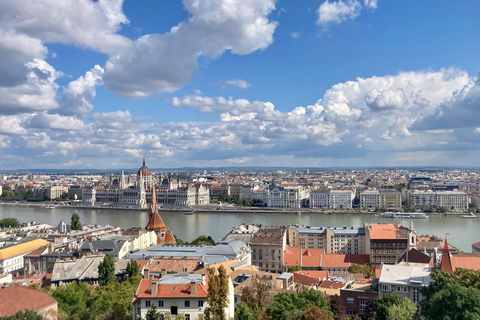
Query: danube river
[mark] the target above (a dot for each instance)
(462, 232)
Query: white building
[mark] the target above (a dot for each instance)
(286, 196)
(370, 199)
(332, 199)
(453, 200)
(182, 293)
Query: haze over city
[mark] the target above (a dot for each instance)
(102, 84)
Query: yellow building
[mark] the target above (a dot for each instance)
(11, 257)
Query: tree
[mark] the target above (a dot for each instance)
(73, 299)
(315, 313)
(217, 294)
(244, 312)
(258, 296)
(24, 315)
(452, 295)
(207, 241)
(393, 307)
(106, 270)
(294, 268)
(9, 223)
(152, 313)
(337, 307)
(286, 301)
(133, 269)
(75, 222)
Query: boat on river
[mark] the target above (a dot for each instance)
(471, 215)
(402, 215)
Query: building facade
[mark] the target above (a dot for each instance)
(332, 199)
(268, 246)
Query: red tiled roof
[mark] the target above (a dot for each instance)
(337, 260)
(309, 278)
(331, 284)
(144, 290)
(15, 298)
(382, 231)
(310, 258)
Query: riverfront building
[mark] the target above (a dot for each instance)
(452, 200)
(389, 199)
(332, 199)
(170, 192)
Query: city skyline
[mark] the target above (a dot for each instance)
(257, 83)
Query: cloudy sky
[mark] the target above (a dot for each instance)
(100, 84)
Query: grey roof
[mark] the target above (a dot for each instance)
(180, 278)
(337, 230)
(85, 268)
(406, 275)
(285, 276)
(111, 247)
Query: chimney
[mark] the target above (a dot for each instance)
(163, 272)
(193, 288)
(204, 280)
(154, 286)
(146, 273)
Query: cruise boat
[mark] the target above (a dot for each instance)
(471, 215)
(403, 215)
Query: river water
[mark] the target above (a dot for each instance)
(462, 232)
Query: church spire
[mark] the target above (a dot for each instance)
(144, 161)
(446, 264)
(153, 202)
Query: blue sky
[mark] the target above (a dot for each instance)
(100, 84)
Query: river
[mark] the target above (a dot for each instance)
(462, 232)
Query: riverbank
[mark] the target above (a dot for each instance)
(211, 208)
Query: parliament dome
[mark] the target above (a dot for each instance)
(144, 171)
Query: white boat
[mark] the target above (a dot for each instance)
(471, 215)
(403, 215)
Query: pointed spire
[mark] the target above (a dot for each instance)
(446, 264)
(144, 161)
(153, 202)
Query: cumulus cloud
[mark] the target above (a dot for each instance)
(458, 111)
(158, 63)
(42, 120)
(113, 120)
(76, 99)
(338, 12)
(371, 4)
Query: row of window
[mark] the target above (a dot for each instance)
(186, 303)
(387, 245)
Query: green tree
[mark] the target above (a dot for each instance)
(286, 301)
(75, 222)
(294, 268)
(152, 313)
(24, 315)
(133, 269)
(106, 270)
(73, 299)
(9, 222)
(258, 296)
(337, 307)
(393, 307)
(207, 241)
(244, 312)
(217, 294)
(452, 295)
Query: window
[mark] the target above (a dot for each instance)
(187, 317)
(160, 303)
(386, 287)
(363, 304)
(399, 288)
(350, 300)
(147, 303)
(405, 289)
(200, 303)
(350, 313)
(187, 303)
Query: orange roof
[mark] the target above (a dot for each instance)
(15, 298)
(144, 290)
(382, 231)
(472, 262)
(332, 285)
(309, 278)
(337, 260)
(155, 223)
(309, 258)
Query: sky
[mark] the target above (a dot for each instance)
(220, 83)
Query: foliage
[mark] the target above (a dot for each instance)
(337, 307)
(152, 313)
(393, 307)
(244, 312)
(106, 270)
(9, 222)
(409, 209)
(20, 195)
(294, 268)
(75, 222)
(207, 241)
(258, 296)
(381, 209)
(452, 295)
(24, 315)
(367, 270)
(178, 240)
(400, 187)
(110, 302)
(442, 209)
(133, 269)
(287, 301)
(217, 294)
(315, 313)
(64, 197)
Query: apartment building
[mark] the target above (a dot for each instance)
(389, 199)
(346, 240)
(268, 246)
(453, 200)
(286, 196)
(332, 199)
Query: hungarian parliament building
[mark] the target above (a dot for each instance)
(169, 192)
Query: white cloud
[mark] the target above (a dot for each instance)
(338, 12)
(242, 84)
(42, 120)
(77, 96)
(12, 125)
(163, 62)
(295, 34)
(371, 4)
(113, 120)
